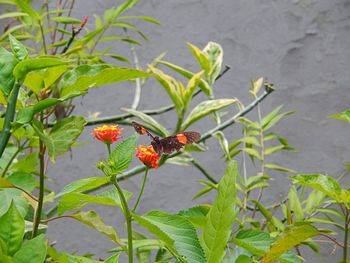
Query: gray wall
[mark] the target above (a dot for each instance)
(301, 46)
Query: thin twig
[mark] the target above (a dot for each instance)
(204, 171)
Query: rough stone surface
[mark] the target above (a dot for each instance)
(302, 46)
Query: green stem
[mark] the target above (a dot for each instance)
(127, 215)
(41, 189)
(109, 148)
(9, 116)
(141, 191)
(204, 171)
(43, 36)
(346, 234)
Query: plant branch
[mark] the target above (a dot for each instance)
(9, 116)
(43, 36)
(141, 191)
(204, 171)
(39, 208)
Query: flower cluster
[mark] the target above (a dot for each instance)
(107, 133)
(147, 155)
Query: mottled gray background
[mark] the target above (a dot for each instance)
(301, 46)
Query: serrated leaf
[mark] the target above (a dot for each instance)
(290, 238)
(92, 219)
(73, 200)
(205, 108)
(196, 215)
(123, 153)
(221, 216)
(84, 77)
(62, 135)
(176, 232)
(12, 229)
(149, 122)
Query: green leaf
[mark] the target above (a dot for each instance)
(65, 20)
(323, 183)
(23, 180)
(274, 224)
(220, 136)
(62, 135)
(295, 204)
(196, 215)
(92, 219)
(203, 85)
(113, 259)
(18, 48)
(123, 153)
(32, 251)
(84, 185)
(171, 86)
(205, 108)
(84, 77)
(12, 14)
(144, 18)
(273, 149)
(12, 229)
(256, 86)
(278, 168)
(201, 57)
(149, 122)
(7, 63)
(290, 238)
(191, 87)
(343, 116)
(221, 216)
(7, 196)
(73, 200)
(27, 164)
(25, 66)
(26, 115)
(176, 232)
(258, 242)
(27, 8)
(215, 54)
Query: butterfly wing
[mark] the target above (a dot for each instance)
(176, 142)
(141, 130)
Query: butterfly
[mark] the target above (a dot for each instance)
(168, 144)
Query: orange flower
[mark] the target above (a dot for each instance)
(147, 155)
(107, 133)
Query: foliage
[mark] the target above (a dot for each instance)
(44, 66)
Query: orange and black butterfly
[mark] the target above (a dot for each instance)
(168, 144)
